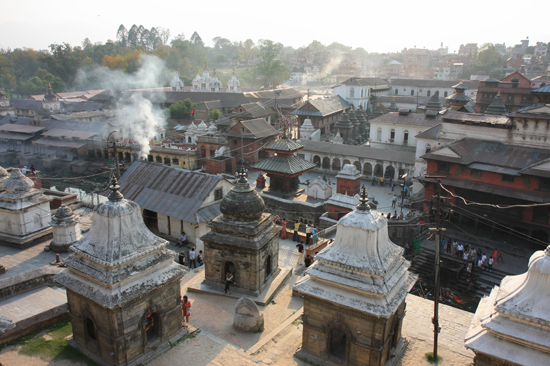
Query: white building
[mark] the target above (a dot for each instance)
(357, 91)
(427, 87)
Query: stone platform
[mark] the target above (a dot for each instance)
(273, 286)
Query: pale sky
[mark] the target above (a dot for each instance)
(378, 26)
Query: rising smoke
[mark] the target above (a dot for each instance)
(138, 119)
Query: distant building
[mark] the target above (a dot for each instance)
(323, 112)
(514, 88)
(360, 91)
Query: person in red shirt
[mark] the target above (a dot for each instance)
(421, 226)
(185, 310)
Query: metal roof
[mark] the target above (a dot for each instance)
(26, 104)
(97, 127)
(68, 134)
(60, 143)
(324, 106)
(359, 151)
(409, 119)
(170, 191)
(20, 128)
(208, 213)
(259, 127)
(15, 136)
(431, 133)
(288, 165)
(476, 118)
(431, 83)
(509, 156)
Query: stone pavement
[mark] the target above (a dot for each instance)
(32, 303)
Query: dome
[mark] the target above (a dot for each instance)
(212, 127)
(17, 182)
(242, 203)
(63, 212)
(192, 127)
(202, 126)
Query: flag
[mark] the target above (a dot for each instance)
(192, 111)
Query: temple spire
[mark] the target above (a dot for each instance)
(115, 195)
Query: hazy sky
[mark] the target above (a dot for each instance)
(379, 26)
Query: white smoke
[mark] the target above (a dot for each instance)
(138, 119)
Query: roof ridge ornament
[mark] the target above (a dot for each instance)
(363, 202)
(115, 195)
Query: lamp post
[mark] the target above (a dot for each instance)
(115, 152)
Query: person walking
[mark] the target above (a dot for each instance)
(283, 229)
(490, 264)
(314, 235)
(185, 311)
(228, 282)
(499, 258)
(192, 261)
(200, 258)
(300, 248)
(308, 234)
(296, 236)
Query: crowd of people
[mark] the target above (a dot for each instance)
(472, 258)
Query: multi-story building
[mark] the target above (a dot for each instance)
(360, 91)
(427, 87)
(323, 112)
(514, 88)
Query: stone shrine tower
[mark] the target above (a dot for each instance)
(243, 240)
(4, 175)
(511, 326)
(354, 294)
(66, 230)
(24, 212)
(123, 287)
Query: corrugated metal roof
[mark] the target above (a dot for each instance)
(26, 104)
(410, 119)
(15, 136)
(208, 213)
(493, 153)
(431, 133)
(463, 117)
(20, 128)
(69, 134)
(359, 151)
(170, 191)
(289, 165)
(60, 143)
(325, 106)
(97, 127)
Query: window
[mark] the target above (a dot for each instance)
(412, 92)
(475, 173)
(379, 134)
(406, 136)
(218, 194)
(507, 178)
(212, 152)
(428, 148)
(446, 94)
(443, 167)
(392, 135)
(352, 92)
(396, 91)
(429, 93)
(544, 184)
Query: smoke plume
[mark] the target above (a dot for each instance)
(137, 119)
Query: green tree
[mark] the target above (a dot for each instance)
(215, 114)
(486, 59)
(182, 109)
(270, 71)
(247, 51)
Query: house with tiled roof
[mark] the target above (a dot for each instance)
(323, 112)
(497, 175)
(247, 139)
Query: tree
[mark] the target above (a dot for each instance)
(182, 109)
(133, 36)
(215, 114)
(487, 58)
(122, 36)
(247, 51)
(163, 35)
(197, 40)
(270, 71)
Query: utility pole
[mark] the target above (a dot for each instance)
(437, 230)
